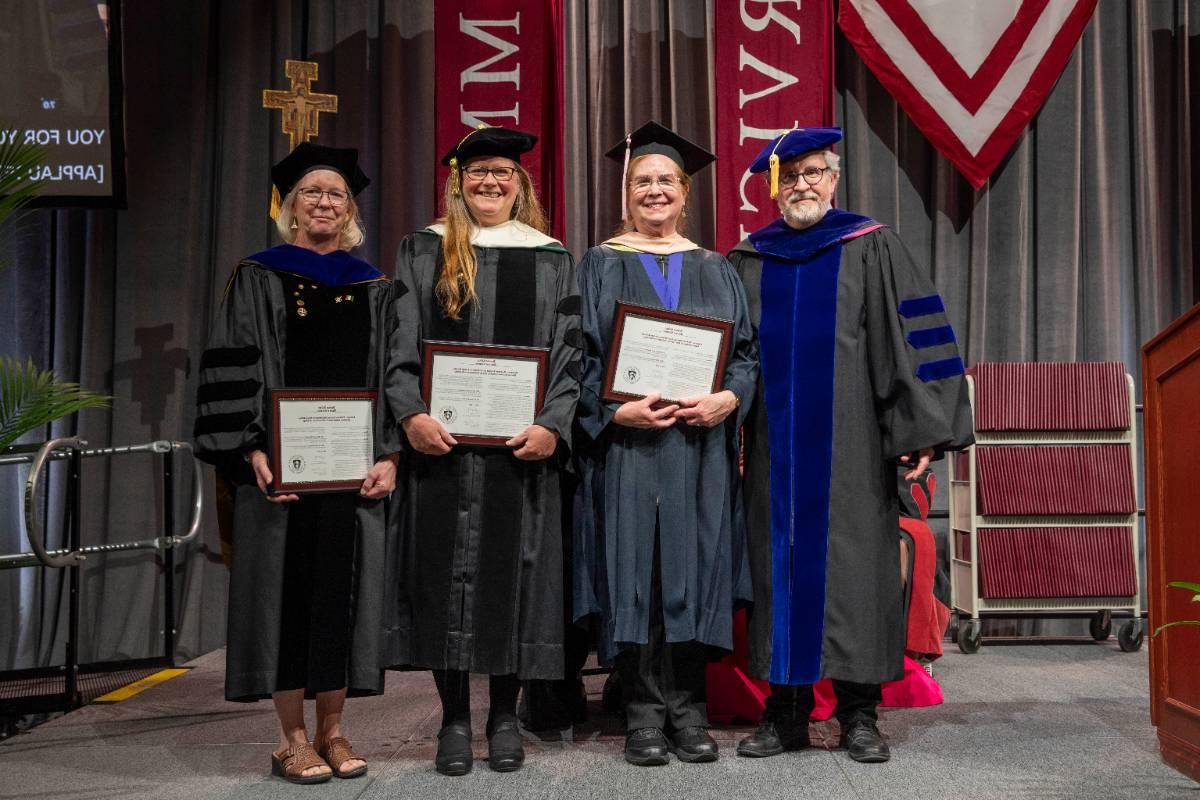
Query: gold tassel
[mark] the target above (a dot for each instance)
(276, 203)
(774, 160)
(454, 176)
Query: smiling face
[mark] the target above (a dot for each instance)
(489, 199)
(321, 222)
(803, 205)
(657, 194)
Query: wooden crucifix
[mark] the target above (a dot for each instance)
(301, 106)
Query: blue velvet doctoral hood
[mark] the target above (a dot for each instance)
(784, 243)
(331, 269)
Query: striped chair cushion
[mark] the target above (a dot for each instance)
(1055, 479)
(1050, 397)
(1056, 562)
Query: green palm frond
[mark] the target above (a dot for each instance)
(31, 397)
(17, 162)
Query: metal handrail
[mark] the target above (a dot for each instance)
(55, 450)
(33, 522)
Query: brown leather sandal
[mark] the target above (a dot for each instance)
(337, 751)
(290, 764)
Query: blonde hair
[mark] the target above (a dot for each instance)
(352, 234)
(685, 181)
(456, 283)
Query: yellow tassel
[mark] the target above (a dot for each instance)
(774, 160)
(454, 176)
(276, 203)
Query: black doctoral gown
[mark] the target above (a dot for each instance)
(684, 477)
(859, 367)
(481, 537)
(247, 354)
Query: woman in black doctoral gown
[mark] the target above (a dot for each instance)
(482, 533)
(306, 584)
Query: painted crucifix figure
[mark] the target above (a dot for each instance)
(301, 106)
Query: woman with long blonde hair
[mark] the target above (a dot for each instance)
(481, 536)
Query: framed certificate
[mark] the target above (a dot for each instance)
(655, 350)
(323, 440)
(483, 393)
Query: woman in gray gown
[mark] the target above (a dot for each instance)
(659, 550)
(482, 534)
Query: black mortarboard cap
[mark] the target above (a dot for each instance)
(653, 138)
(308, 156)
(489, 141)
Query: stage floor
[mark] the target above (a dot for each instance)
(1050, 721)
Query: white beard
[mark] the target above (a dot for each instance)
(804, 216)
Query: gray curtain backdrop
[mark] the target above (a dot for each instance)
(1080, 248)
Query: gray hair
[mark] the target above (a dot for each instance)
(832, 160)
(351, 237)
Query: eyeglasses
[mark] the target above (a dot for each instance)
(812, 176)
(312, 195)
(478, 173)
(642, 183)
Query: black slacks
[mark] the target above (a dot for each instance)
(663, 683)
(856, 702)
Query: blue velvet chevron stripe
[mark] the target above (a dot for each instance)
(931, 337)
(936, 370)
(796, 336)
(921, 306)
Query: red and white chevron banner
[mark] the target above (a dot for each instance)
(970, 73)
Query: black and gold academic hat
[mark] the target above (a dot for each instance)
(308, 157)
(488, 141)
(655, 139)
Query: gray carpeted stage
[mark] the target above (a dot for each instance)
(1020, 721)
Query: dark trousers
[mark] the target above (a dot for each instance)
(454, 689)
(856, 702)
(663, 682)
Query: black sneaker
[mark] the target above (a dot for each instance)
(694, 745)
(646, 747)
(771, 739)
(864, 743)
(454, 756)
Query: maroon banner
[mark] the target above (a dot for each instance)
(774, 72)
(498, 62)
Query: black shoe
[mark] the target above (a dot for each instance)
(505, 751)
(694, 745)
(646, 747)
(454, 756)
(864, 743)
(771, 739)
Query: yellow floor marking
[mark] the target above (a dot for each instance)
(137, 687)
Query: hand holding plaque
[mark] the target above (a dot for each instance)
(483, 393)
(323, 440)
(676, 355)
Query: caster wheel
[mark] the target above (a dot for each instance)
(1100, 625)
(1131, 635)
(969, 638)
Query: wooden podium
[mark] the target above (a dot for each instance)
(1171, 394)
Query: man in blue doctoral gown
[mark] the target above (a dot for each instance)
(859, 368)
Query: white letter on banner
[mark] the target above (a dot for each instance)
(763, 134)
(758, 24)
(474, 73)
(782, 79)
(473, 119)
